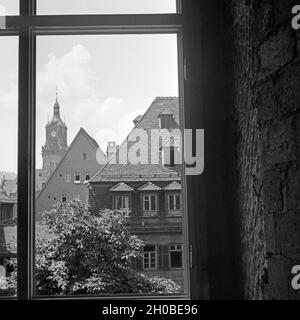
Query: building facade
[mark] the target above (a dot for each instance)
(69, 178)
(152, 194)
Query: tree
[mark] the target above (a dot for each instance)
(89, 253)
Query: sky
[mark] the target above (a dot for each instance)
(94, 6)
(104, 82)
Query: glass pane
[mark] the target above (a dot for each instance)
(96, 95)
(46, 7)
(8, 164)
(9, 7)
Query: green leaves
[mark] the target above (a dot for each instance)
(89, 253)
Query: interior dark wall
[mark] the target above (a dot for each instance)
(242, 87)
(209, 103)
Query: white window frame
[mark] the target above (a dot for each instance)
(150, 204)
(75, 178)
(149, 257)
(174, 195)
(123, 197)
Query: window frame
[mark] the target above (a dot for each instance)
(76, 175)
(174, 195)
(149, 257)
(68, 177)
(170, 258)
(116, 196)
(147, 213)
(27, 26)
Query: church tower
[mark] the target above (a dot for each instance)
(56, 141)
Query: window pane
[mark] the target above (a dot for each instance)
(92, 91)
(8, 163)
(45, 7)
(9, 7)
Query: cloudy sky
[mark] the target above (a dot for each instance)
(103, 82)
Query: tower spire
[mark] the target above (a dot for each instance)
(56, 93)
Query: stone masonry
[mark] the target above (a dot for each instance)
(267, 99)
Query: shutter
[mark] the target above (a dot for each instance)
(163, 252)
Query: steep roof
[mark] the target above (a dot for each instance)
(141, 172)
(80, 132)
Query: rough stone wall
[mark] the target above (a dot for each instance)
(267, 99)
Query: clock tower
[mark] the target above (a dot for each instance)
(56, 141)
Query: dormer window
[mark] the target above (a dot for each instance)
(166, 121)
(84, 156)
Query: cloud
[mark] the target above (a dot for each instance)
(106, 119)
(9, 101)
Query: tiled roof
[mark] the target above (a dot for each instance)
(142, 172)
(173, 186)
(121, 187)
(149, 187)
(5, 199)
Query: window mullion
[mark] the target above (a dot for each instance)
(25, 157)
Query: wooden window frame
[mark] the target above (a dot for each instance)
(27, 25)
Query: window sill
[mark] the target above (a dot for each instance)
(77, 182)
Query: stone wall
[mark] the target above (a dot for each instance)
(267, 100)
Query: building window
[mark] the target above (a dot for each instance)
(149, 258)
(77, 197)
(166, 121)
(150, 203)
(176, 256)
(122, 202)
(174, 202)
(68, 177)
(77, 177)
(84, 156)
(87, 176)
(64, 198)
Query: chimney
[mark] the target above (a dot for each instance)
(111, 149)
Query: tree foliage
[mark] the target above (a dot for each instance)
(87, 253)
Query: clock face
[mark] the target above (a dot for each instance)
(53, 133)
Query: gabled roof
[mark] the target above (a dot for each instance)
(92, 142)
(121, 187)
(173, 186)
(149, 187)
(142, 172)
